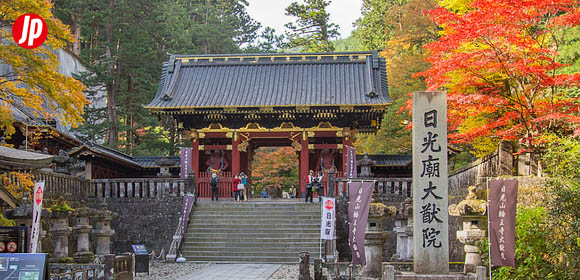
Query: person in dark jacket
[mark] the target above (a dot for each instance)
(309, 185)
(214, 182)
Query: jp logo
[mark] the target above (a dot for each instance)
(29, 31)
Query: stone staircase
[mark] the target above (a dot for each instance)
(252, 232)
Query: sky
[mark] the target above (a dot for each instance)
(271, 13)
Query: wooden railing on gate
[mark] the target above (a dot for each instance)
(225, 184)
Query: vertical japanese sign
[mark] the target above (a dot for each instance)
(186, 206)
(328, 219)
(185, 157)
(502, 221)
(430, 200)
(36, 213)
(351, 171)
(358, 215)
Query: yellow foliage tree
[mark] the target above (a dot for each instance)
(33, 80)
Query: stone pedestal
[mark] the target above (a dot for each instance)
(82, 230)
(404, 230)
(472, 212)
(374, 239)
(60, 232)
(103, 231)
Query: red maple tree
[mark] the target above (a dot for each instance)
(499, 60)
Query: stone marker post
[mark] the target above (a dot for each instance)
(430, 199)
(304, 266)
(60, 231)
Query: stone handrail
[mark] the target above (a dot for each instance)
(139, 187)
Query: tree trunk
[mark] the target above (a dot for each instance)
(76, 32)
(111, 85)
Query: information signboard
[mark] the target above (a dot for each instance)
(141, 258)
(23, 267)
(13, 240)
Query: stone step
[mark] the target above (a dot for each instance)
(252, 239)
(254, 220)
(255, 231)
(245, 226)
(249, 236)
(253, 243)
(246, 212)
(271, 254)
(238, 259)
(256, 250)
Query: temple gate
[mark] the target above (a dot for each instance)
(230, 105)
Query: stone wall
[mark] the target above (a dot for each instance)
(144, 221)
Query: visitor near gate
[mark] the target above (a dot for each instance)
(292, 192)
(244, 179)
(237, 187)
(214, 182)
(264, 194)
(309, 185)
(317, 185)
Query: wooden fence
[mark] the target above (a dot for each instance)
(56, 184)
(139, 187)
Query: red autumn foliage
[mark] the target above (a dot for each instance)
(499, 59)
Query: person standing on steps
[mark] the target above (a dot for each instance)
(237, 181)
(318, 187)
(244, 179)
(309, 185)
(214, 182)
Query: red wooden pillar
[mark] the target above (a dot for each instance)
(304, 164)
(195, 157)
(235, 156)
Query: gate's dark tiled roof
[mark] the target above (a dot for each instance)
(214, 81)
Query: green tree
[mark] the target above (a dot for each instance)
(312, 30)
(126, 42)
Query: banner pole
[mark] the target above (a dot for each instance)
(488, 227)
(321, 221)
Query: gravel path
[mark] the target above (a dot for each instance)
(289, 272)
(165, 271)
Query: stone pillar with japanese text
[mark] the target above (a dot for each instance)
(430, 199)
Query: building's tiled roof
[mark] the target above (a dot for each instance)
(323, 79)
(151, 161)
(105, 152)
(390, 160)
(17, 159)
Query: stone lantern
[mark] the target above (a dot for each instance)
(472, 212)
(103, 231)
(60, 231)
(82, 228)
(164, 165)
(404, 230)
(62, 163)
(375, 238)
(365, 166)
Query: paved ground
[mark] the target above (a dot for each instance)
(233, 271)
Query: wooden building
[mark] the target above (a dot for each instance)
(230, 105)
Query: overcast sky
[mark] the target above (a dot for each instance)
(271, 13)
